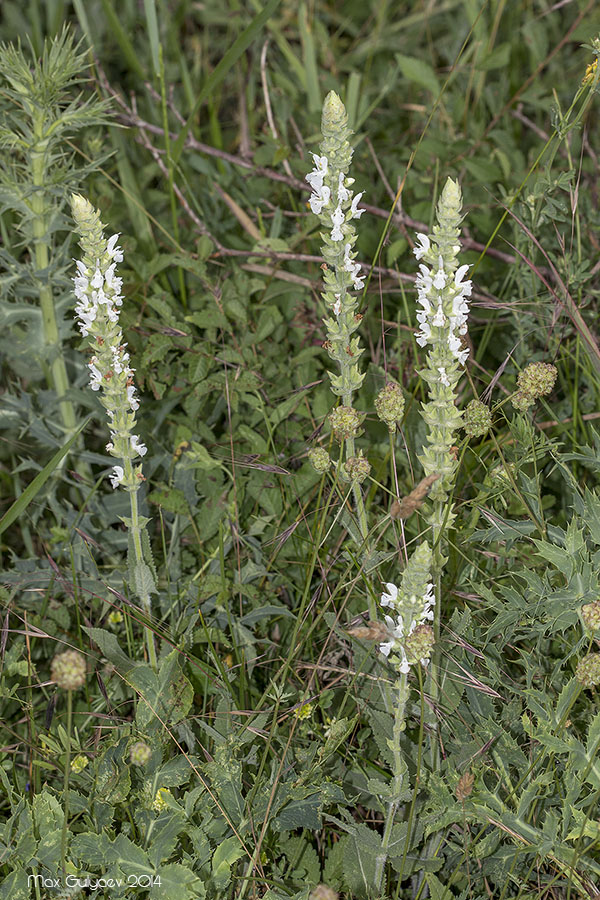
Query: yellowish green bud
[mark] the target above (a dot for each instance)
(79, 764)
(160, 800)
(587, 672)
(389, 405)
(590, 613)
(68, 670)
(477, 419)
(322, 892)
(537, 380)
(419, 643)
(345, 422)
(140, 753)
(356, 468)
(319, 459)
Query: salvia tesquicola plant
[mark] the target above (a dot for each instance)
(97, 288)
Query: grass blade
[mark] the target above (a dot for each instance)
(227, 62)
(22, 502)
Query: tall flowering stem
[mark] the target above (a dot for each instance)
(98, 291)
(443, 295)
(408, 641)
(336, 206)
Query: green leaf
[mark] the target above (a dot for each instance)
(109, 647)
(419, 72)
(167, 695)
(227, 853)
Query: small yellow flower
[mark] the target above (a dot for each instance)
(115, 618)
(79, 764)
(304, 711)
(590, 72)
(160, 801)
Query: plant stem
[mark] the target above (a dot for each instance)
(399, 771)
(136, 534)
(63, 839)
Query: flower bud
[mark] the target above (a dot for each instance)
(587, 672)
(319, 459)
(477, 419)
(344, 421)
(356, 468)
(322, 892)
(537, 380)
(140, 753)
(389, 405)
(419, 643)
(160, 800)
(590, 613)
(68, 670)
(79, 763)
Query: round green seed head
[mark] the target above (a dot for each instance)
(322, 892)
(319, 459)
(590, 613)
(140, 753)
(537, 379)
(521, 401)
(587, 672)
(419, 644)
(344, 421)
(389, 404)
(68, 670)
(477, 419)
(357, 468)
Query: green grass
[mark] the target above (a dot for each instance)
(267, 719)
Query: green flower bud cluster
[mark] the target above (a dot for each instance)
(587, 672)
(590, 613)
(319, 459)
(345, 422)
(535, 381)
(356, 469)
(389, 405)
(140, 753)
(477, 419)
(68, 670)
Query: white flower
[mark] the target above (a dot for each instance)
(465, 286)
(337, 306)
(131, 398)
(439, 279)
(424, 335)
(135, 445)
(386, 647)
(319, 199)
(337, 220)
(355, 212)
(391, 597)
(117, 476)
(443, 376)
(422, 247)
(96, 379)
(114, 252)
(404, 665)
(343, 194)
(439, 319)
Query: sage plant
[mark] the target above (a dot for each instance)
(336, 205)
(98, 291)
(408, 642)
(443, 294)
